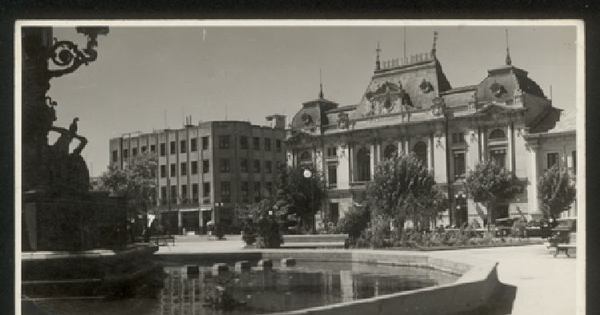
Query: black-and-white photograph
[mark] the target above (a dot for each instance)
(239, 167)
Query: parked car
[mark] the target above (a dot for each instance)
(560, 233)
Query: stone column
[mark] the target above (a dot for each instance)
(430, 149)
(400, 145)
(373, 150)
(532, 193)
(510, 148)
(179, 222)
(482, 144)
(350, 162)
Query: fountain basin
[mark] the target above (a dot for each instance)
(476, 284)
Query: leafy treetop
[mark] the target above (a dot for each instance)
(556, 191)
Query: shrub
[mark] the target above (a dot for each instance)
(354, 222)
(249, 234)
(269, 233)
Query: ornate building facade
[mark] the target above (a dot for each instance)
(410, 106)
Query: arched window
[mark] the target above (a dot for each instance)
(390, 151)
(363, 162)
(497, 134)
(305, 156)
(420, 150)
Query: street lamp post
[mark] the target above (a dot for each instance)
(439, 108)
(308, 175)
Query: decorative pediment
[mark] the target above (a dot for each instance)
(343, 120)
(386, 98)
(426, 86)
(497, 89)
(438, 108)
(299, 138)
(306, 119)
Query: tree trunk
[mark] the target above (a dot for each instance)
(489, 215)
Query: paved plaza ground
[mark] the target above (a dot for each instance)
(538, 282)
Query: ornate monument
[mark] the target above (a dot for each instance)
(68, 232)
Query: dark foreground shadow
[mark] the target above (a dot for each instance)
(500, 304)
(31, 308)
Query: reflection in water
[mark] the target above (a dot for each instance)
(282, 289)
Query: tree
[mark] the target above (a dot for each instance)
(354, 222)
(136, 182)
(402, 189)
(298, 195)
(490, 183)
(556, 191)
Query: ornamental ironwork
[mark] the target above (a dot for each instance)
(67, 56)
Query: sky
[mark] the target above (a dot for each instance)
(147, 78)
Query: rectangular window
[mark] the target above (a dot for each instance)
(499, 156)
(224, 142)
(244, 191)
(332, 175)
(134, 152)
(257, 195)
(269, 188)
(195, 193)
(194, 144)
(268, 167)
(552, 159)
(574, 158)
(163, 195)
(458, 137)
(163, 171)
(194, 167)
(173, 197)
(256, 166)
(459, 164)
(278, 145)
(183, 168)
(225, 192)
(224, 165)
(205, 166)
(182, 147)
(244, 166)
(172, 148)
(144, 149)
(334, 212)
(206, 190)
(280, 165)
(163, 149)
(184, 193)
(173, 170)
(115, 155)
(244, 142)
(256, 143)
(205, 143)
(152, 148)
(332, 152)
(125, 153)
(267, 144)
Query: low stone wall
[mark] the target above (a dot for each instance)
(477, 283)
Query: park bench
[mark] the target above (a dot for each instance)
(564, 247)
(163, 240)
(315, 241)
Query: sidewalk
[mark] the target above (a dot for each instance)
(543, 284)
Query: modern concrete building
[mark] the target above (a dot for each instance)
(208, 170)
(410, 106)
